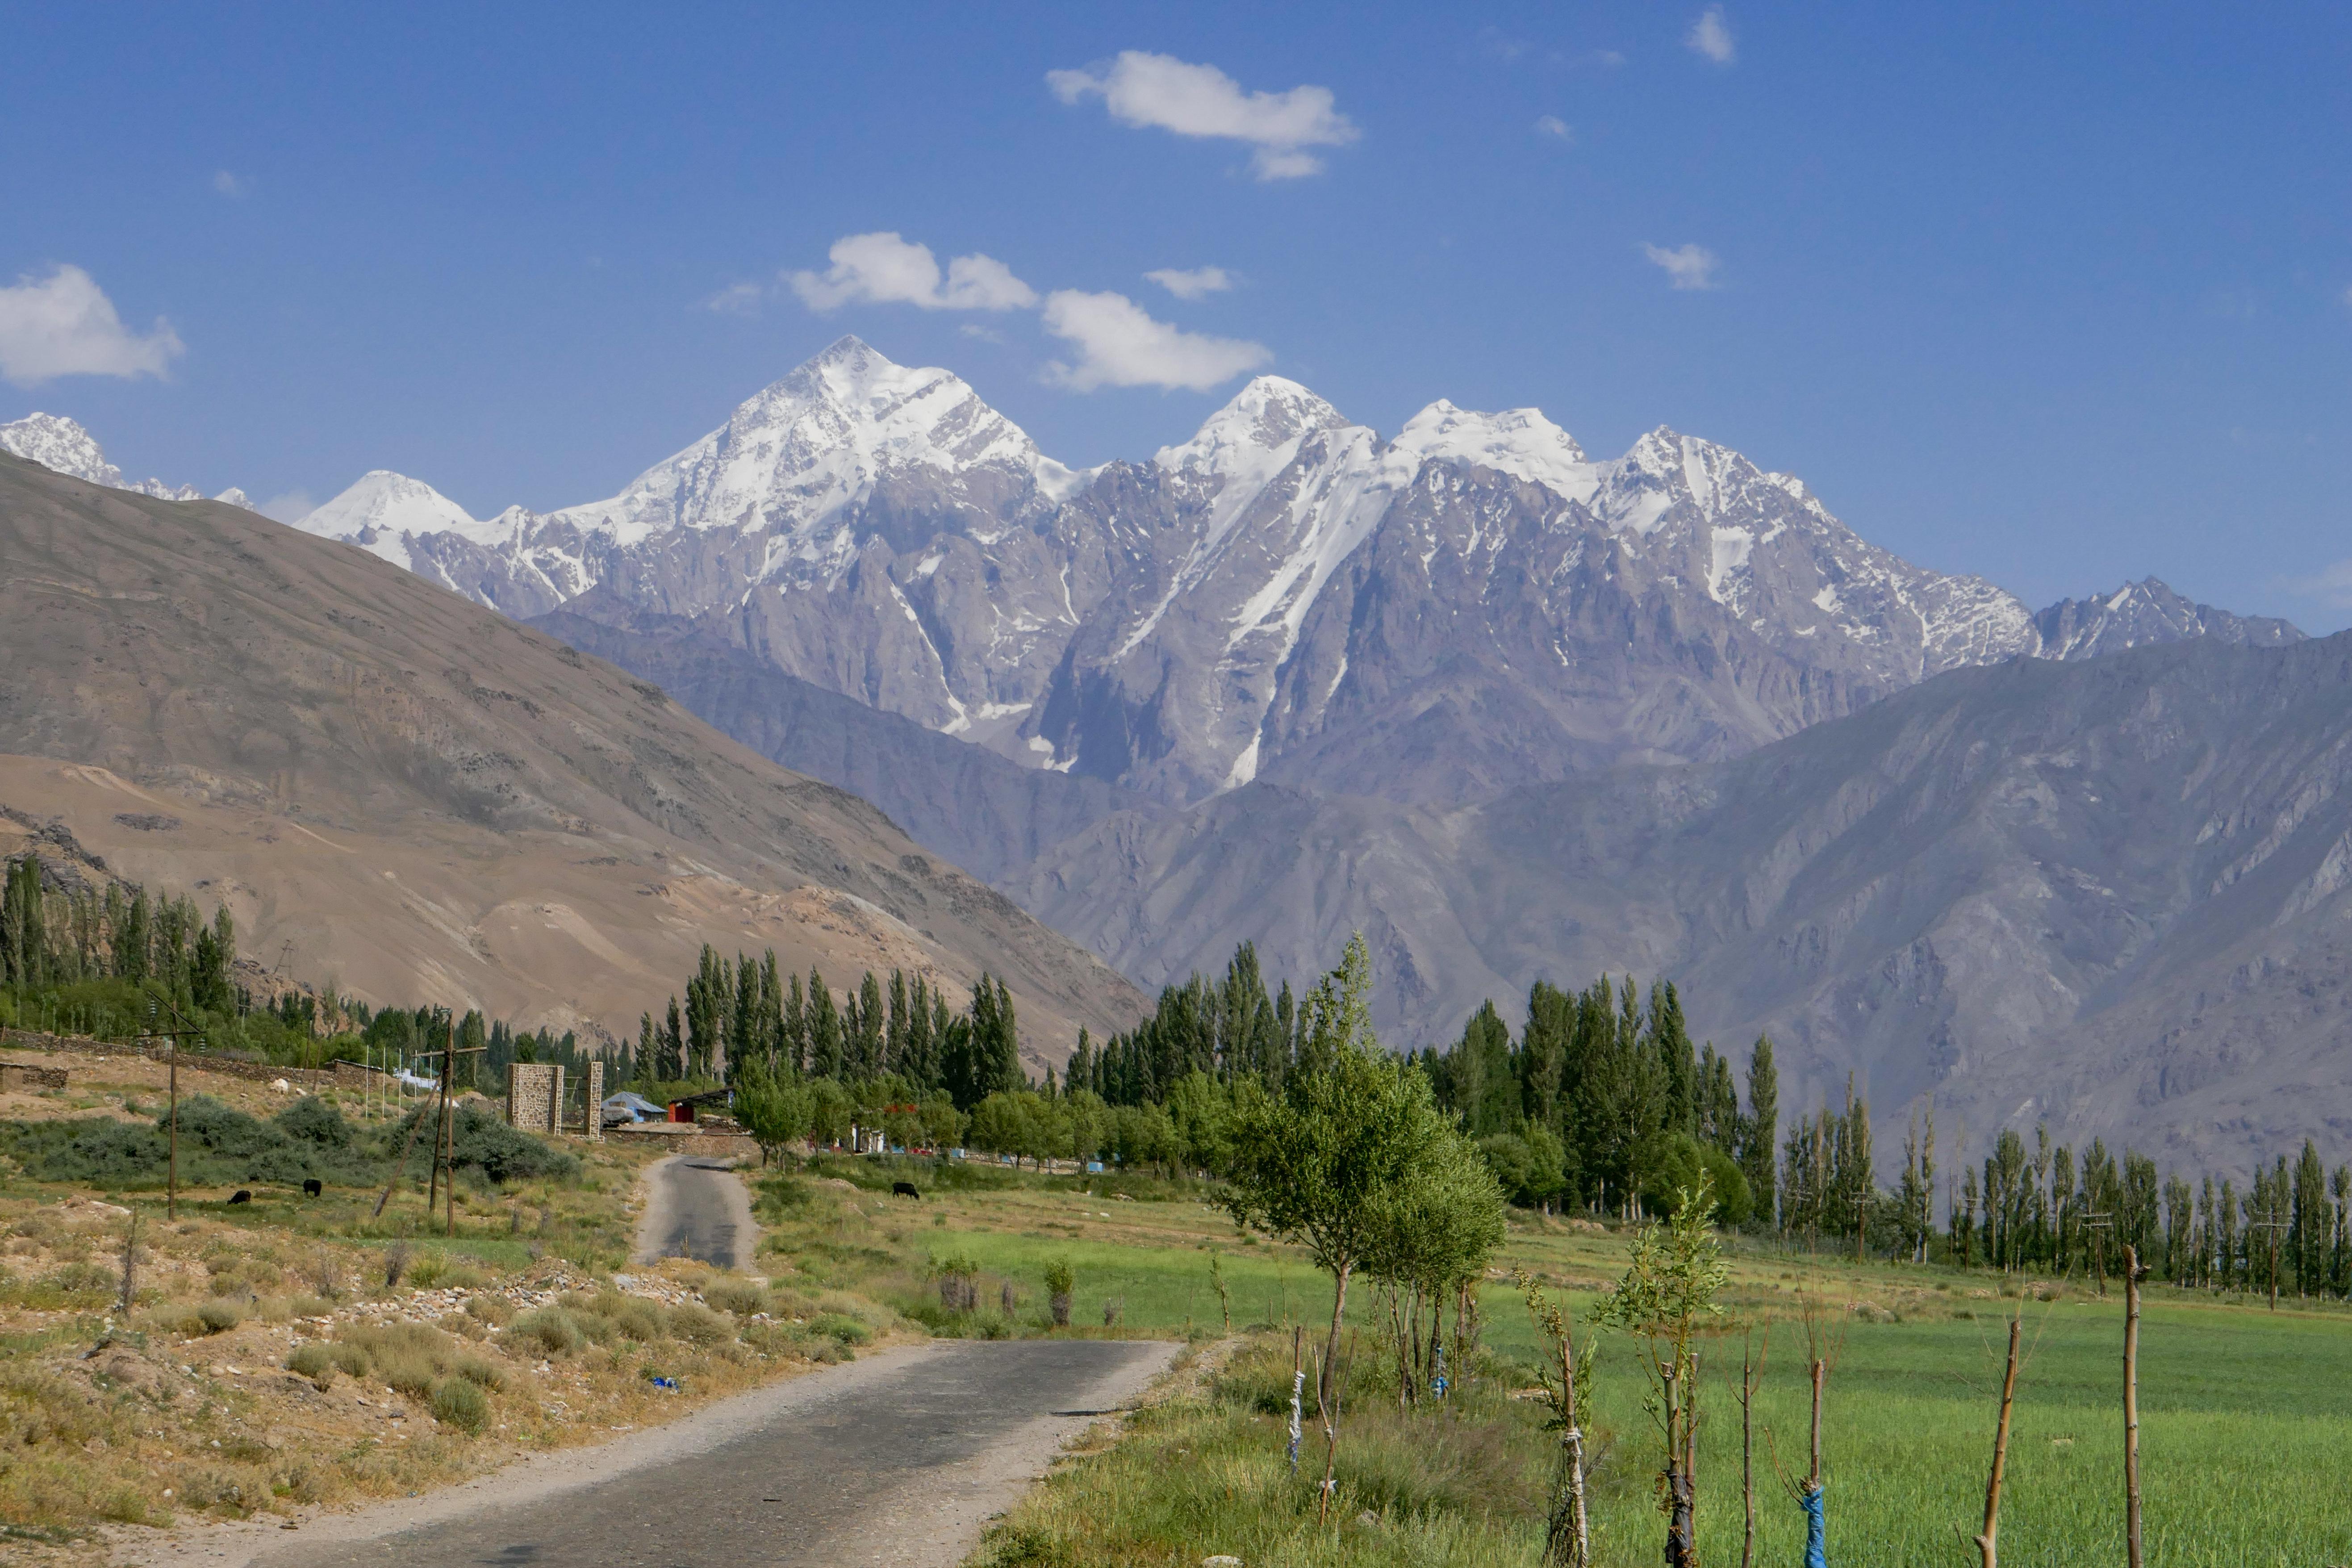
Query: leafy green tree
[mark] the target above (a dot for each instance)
(1316, 1165)
(776, 1114)
(1143, 1136)
(1202, 1113)
(1664, 1299)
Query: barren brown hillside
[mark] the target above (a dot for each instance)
(429, 802)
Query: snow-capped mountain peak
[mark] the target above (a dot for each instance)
(383, 512)
(63, 446)
(1257, 430)
(799, 452)
(1518, 441)
(60, 444)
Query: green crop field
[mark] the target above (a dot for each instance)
(2244, 1412)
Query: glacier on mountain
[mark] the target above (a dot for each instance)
(1286, 594)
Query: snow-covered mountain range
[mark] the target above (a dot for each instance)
(61, 444)
(1468, 604)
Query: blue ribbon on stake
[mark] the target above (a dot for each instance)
(1816, 1530)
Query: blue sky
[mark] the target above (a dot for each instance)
(2060, 299)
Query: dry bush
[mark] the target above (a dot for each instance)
(740, 1296)
(548, 1332)
(219, 1317)
(698, 1325)
(461, 1403)
(315, 1362)
(495, 1310)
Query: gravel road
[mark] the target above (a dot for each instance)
(897, 1459)
(696, 1208)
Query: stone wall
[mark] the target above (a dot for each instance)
(535, 1097)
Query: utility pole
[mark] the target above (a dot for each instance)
(2099, 1223)
(445, 1161)
(172, 1171)
(2273, 1226)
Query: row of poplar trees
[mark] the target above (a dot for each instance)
(740, 1013)
(60, 935)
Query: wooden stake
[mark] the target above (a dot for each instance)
(1986, 1551)
(2132, 1273)
(1751, 1373)
(1820, 1375)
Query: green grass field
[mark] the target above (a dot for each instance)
(2244, 1412)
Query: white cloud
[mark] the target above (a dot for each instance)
(1687, 265)
(229, 184)
(291, 507)
(65, 325)
(1193, 283)
(1119, 345)
(1711, 36)
(886, 269)
(2331, 586)
(736, 299)
(1147, 90)
(1553, 125)
(985, 334)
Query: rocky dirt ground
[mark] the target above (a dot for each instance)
(284, 1356)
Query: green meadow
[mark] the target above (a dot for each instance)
(2245, 1413)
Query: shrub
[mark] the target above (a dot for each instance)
(740, 1296)
(427, 1270)
(351, 1358)
(700, 1325)
(409, 1372)
(843, 1330)
(315, 1362)
(550, 1331)
(495, 1310)
(461, 1403)
(396, 1264)
(484, 1374)
(219, 1317)
(635, 1319)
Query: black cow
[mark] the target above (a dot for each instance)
(904, 1190)
(240, 1196)
(313, 1187)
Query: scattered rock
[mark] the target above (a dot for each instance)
(1221, 1562)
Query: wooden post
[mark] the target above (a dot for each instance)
(1820, 1375)
(1750, 1374)
(2131, 1407)
(1986, 1550)
(172, 1170)
(172, 1178)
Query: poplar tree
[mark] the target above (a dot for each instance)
(1761, 1129)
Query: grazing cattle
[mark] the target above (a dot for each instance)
(313, 1187)
(240, 1196)
(904, 1190)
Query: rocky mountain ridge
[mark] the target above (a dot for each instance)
(63, 446)
(1470, 605)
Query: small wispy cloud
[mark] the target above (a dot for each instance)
(65, 325)
(737, 300)
(1163, 91)
(1553, 125)
(1193, 283)
(883, 268)
(2331, 586)
(1687, 265)
(1711, 36)
(291, 507)
(233, 185)
(1119, 345)
(984, 334)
